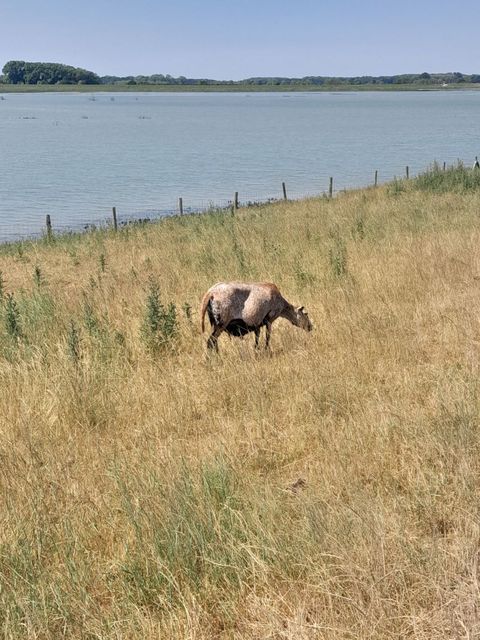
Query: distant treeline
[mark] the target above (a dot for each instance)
(20, 72)
(409, 78)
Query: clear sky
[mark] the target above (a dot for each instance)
(234, 39)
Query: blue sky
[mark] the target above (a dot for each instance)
(229, 39)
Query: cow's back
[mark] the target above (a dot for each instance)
(250, 302)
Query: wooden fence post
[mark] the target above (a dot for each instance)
(330, 188)
(180, 206)
(114, 215)
(48, 222)
(444, 165)
(376, 177)
(235, 202)
(407, 172)
(284, 191)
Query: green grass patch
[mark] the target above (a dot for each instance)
(457, 179)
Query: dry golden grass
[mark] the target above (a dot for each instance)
(329, 489)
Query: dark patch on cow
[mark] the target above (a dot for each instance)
(238, 328)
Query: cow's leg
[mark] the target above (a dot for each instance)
(212, 342)
(257, 336)
(268, 329)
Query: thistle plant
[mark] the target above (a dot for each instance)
(37, 276)
(73, 343)
(159, 327)
(90, 320)
(12, 318)
(187, 311)
(338, 255)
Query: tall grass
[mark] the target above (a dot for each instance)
(327, 489)
(454, 179)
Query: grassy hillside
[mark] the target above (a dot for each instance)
(327, 489)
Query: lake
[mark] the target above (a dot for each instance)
(75, 155)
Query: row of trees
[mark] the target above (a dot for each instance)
(415, 78)
(20, 72)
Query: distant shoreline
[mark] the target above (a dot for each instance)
(221, 88)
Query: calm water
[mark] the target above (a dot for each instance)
(77, 155)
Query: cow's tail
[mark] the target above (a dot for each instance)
(206, 299)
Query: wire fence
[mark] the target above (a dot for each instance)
(31, 226)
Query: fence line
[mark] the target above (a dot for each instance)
(54, 225)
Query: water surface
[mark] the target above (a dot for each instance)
(75, 156)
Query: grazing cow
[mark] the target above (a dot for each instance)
(239, 308)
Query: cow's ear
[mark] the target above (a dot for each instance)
(300, 308)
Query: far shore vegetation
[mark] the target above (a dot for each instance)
(21, 76)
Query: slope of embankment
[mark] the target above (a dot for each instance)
(328, 489)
